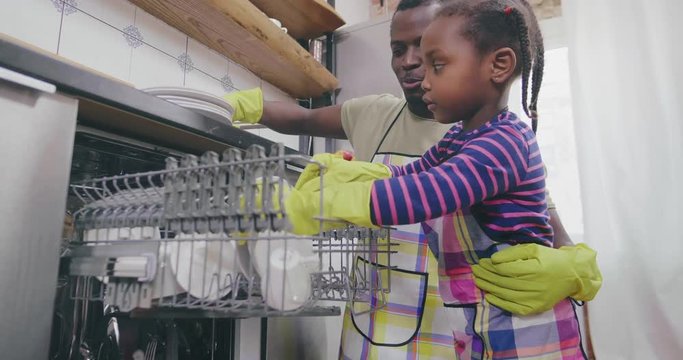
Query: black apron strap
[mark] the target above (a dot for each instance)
(393, 122)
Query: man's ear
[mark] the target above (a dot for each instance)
(503, 64)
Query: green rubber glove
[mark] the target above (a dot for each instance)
(339, 170)
(530, 278)
(248, 105)
(348, 202)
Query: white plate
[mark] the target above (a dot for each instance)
(205, 269)
(185, 101)
(190, 93)
(285, 268)
(244, 259)
(165, 283)
(209, 110)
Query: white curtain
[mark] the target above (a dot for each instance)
(626, 63)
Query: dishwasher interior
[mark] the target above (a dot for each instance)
(93, 330)
(162, 251)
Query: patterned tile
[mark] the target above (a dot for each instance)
(185, 62)
(207, 60)
(68, 7)
(199, 80)
(95, 44)
(133, 36)
(59, 6)
(226, 82)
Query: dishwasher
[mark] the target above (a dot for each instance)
(156, 230)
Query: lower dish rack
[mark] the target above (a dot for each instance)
(206, 237)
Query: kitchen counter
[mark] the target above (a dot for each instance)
(112, 105)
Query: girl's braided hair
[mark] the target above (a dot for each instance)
(493, 24)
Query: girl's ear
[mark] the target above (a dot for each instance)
(503, 64)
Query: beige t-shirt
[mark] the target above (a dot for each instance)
(367, 122)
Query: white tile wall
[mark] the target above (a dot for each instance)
(208, 61)
(121, 40)
(117, 13)
(199, 80)
(96, 44)
(272, 93)
(151, 67)
(36, 22)
(242, 79)
(160, 35)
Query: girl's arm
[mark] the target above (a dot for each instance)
(429, 159)
(494, 163)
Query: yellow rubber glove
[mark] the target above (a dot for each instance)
(312, 171)
(530, 278)
(348, 202)
(248, 105)
(338, 170)
(258, 199)
(301, 207)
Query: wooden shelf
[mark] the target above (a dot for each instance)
(304, 19)
(239, 30)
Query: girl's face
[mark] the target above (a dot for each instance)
(457, 78)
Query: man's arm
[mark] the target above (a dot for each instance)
(561, 237)
(288, 118)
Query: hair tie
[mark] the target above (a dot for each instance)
(508, 10)
(533, 114)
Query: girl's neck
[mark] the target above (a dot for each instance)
(485, 114)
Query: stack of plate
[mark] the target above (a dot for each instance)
(201, 102)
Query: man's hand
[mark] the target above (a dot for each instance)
(530, 278)
(248, 105)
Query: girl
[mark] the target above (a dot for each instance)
(479, 190)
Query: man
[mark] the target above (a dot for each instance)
(383, 128)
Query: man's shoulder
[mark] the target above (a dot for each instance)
(366, 118)
(379, 102)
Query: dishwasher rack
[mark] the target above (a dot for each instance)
(207, 237)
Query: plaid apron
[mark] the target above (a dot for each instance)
(414, 323)
(481, 330)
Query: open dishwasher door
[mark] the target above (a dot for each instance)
(37, 130)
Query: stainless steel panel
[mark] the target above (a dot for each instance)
(36, 140)
(364, 61)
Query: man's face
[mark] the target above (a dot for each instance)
(407, 27)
